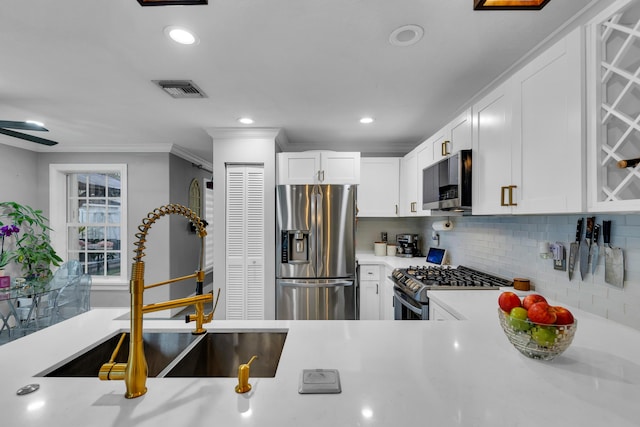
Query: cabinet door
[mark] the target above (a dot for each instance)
(386, 296)
(436, 312)
(409, 184)
(548, 159)
(340, 167)
(426, 158)
(492, 141)
(369, 300)
(298, 168)
(378, 192)
(458, 134)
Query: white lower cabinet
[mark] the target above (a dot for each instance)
(370, 292)
(437, 312)
(386, 296)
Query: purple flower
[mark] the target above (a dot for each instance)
(8, 230)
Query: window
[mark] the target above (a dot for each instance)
(91, 225)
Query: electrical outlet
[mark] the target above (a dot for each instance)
(560, 264)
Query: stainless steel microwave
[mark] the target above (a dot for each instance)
(446, 185)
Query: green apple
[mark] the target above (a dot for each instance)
(545, 336)
(518, 319)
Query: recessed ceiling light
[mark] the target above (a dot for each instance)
(406, 35)
(366, 120)
(181, 35)
(245, 120)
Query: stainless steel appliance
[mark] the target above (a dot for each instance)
(407, 245)
(446, 185)
(316, 260)
(412, 284)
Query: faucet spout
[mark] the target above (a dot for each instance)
(134, 372)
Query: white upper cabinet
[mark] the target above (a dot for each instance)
(492, 141)
(457, 136)
(549, 120)
(319, 167)
(613, 88)
(528, 137)
(426, 158)
(409, 184)
(378, 192)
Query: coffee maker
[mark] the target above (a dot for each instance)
(407, 245)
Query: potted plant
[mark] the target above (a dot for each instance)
(33, 251)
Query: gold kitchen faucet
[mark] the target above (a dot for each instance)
(134, 372)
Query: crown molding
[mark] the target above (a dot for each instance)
(243, 133)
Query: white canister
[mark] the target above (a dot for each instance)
(380, 248)
(391, 250)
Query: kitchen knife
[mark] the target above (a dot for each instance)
(613, 259)
(585, 245)
(574, 247)
(595, 249)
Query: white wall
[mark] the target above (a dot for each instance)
(19, 183)
(368, 230)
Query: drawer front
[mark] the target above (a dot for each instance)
(369, 272)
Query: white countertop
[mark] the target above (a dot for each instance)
(449, 373)
(389, 261)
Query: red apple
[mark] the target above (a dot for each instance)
(541, 312)
(508, 300)
(563, 316)
(531, 299)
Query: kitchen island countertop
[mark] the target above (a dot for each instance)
(448, 373)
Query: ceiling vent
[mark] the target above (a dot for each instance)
(181, 88)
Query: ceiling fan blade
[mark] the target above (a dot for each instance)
(22, 125)
(28, 137)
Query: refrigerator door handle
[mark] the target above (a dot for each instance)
(315, 284)
(313, 233)
(320, 232)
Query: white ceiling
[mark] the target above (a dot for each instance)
(310, 67)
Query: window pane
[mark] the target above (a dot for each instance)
(97, 184)
(113, 264)
(113, 211)
(113, 185)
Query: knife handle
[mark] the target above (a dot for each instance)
(579, 229)
(596, 233)
(606, 232)
(589, 234)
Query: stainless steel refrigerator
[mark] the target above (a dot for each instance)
(315, 251)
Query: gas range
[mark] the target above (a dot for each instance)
(416, 281)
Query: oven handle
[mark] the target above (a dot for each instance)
(398, 297)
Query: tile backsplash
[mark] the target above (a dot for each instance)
(508, 246)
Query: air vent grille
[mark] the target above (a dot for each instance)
(181, 88)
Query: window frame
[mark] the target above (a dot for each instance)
(58, 215)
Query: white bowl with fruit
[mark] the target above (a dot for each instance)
(535, 328)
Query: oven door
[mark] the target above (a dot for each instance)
(406, 308)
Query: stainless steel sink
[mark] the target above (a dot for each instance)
(219, 354)
(160, 349)
(182, 354)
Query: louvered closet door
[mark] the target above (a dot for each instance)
(245, 242)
